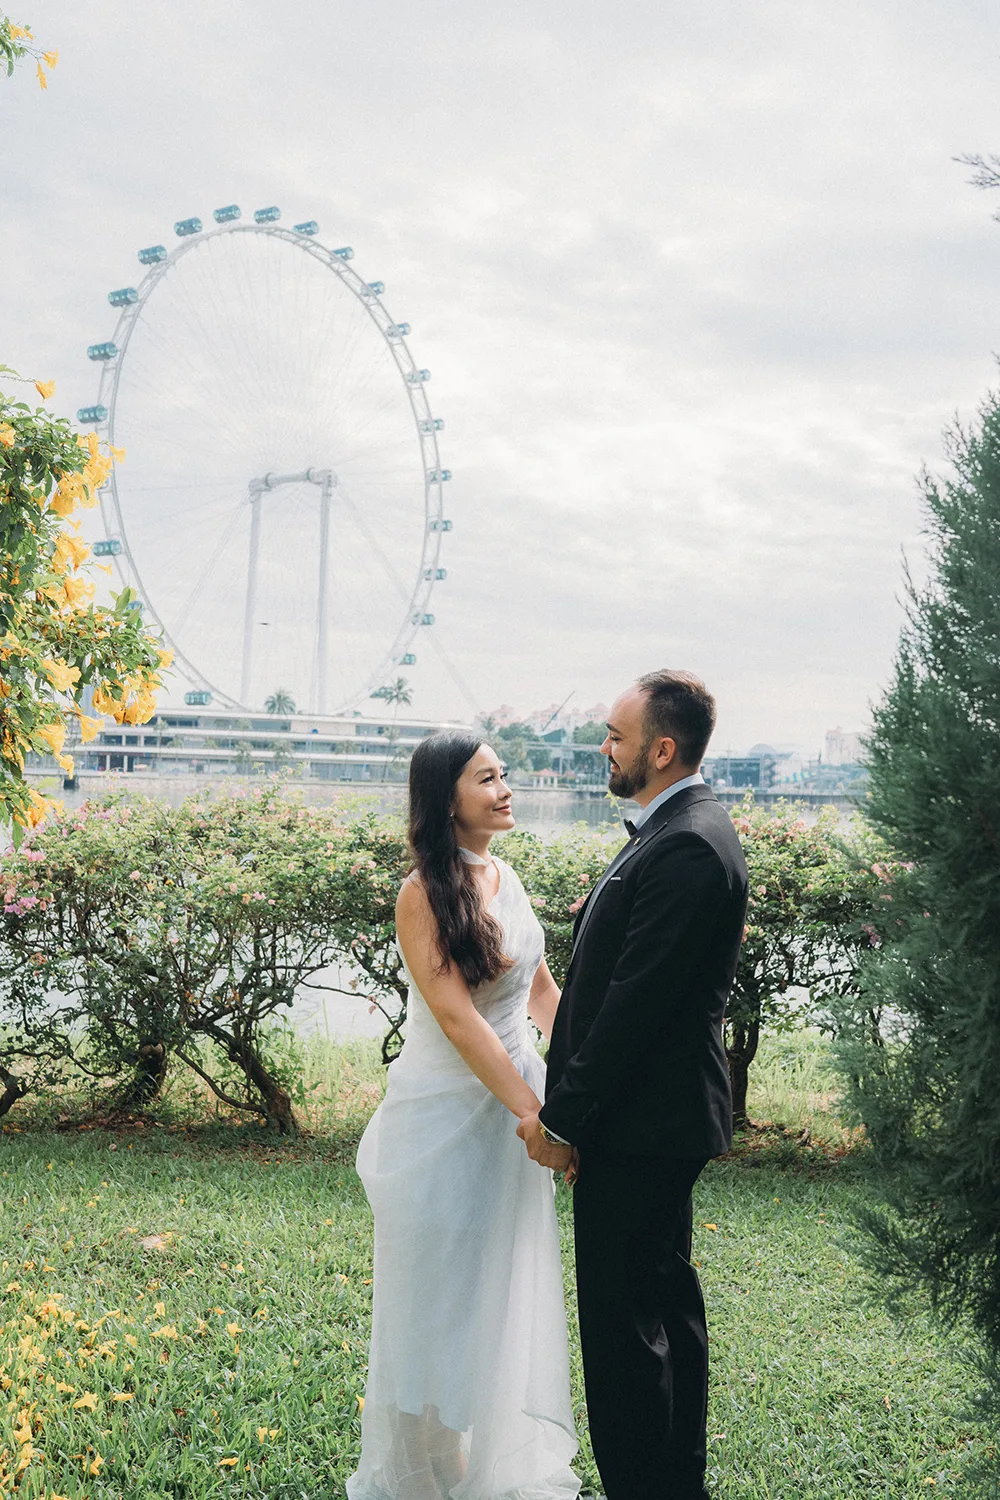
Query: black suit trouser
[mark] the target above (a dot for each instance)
(642, 1325)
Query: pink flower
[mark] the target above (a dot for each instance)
(135, 875)
(584, 879)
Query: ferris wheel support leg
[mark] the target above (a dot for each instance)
(251, 605)
(321, 601)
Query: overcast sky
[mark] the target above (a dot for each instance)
(699, 287)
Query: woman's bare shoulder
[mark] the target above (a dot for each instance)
(412, 904)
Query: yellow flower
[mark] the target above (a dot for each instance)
(123, 1396)
(86, 1402)
(67, 763)
(118, 454)
(96, 1465)
(70, 552)
(89, 728)
(166, 659)
(51, 58)
(7, 437)
(62, 1386)
(42, 80)
(54, 735)
(61, 677)
(77, 591)
(46, 388)
(70, 492)
(228, 1463)
(160, 1310)
(38, 808)
(233, 1329)
(17, 32)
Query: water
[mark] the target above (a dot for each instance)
(541, 812)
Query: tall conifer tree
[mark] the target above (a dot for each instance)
(925, 1077)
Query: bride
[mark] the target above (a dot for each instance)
(468, 1378)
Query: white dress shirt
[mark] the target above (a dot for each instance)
(647, 812)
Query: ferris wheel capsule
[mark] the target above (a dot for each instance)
(152, 254)
(431, 424)
(418, 377)
(124, 297)
(228, 214)
(89, 416)
(185, 227)
(266, 215)
(104, 351)
(309, 227)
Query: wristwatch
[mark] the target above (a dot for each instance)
(547, 1135)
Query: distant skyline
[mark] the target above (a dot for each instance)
(699, 289)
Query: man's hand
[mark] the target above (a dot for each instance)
(546, 1153)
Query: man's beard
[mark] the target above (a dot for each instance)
(627, 783)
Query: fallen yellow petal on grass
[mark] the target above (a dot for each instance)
(710, 1226)
(361, 1402)
(233, 1329)
(123, 1396)
(228, 1463)
(160, 1310)
(86, 1402)
(96, 1464)
(62, 1386)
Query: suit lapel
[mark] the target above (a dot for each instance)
(660, 819)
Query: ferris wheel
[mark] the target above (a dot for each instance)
(280, 509)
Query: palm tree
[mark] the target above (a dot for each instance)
(400, 695)
(280, 702)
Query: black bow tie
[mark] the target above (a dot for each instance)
(630, 827)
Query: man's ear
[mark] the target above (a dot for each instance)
(666, 753)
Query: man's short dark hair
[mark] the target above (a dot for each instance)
(679, 707)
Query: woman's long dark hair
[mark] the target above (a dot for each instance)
(467, 935)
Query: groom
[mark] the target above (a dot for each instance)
(638, 1085)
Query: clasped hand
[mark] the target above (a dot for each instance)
(548, 1153)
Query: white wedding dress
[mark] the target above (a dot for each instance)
(468, 1378)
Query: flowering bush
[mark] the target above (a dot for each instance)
(137, 933)
(814, 895)
(155, 925)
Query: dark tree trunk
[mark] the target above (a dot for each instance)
(280, 1114)
(143, 1088)
(276, 1101)
(742, 1049)
(13, 1089)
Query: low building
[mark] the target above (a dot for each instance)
(218, 742)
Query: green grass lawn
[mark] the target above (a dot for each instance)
(238, 1339)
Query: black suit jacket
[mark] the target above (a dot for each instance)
(637, 1061)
